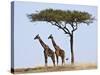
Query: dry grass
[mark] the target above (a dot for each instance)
(67, 67)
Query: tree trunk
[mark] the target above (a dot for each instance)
(71, 46)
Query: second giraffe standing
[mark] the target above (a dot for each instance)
(58, 50)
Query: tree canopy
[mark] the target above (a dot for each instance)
(61, 18)
(51, 15)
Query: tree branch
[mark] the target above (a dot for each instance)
(74, 26)
(60, 27)
(66, 28)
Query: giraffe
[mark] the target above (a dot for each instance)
(58, 51)
(47, 51)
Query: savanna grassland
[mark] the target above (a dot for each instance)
(67, 67)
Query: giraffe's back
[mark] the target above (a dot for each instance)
(61, 53)
(50, 52)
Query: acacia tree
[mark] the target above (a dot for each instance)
(67, 21)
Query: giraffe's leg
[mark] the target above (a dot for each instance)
(45, 57)
(62, 57)
(45, 61)
(53, 59)
(62, 60)
(57, 59)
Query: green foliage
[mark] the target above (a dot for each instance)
(62, 15)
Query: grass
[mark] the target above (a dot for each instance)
(67, 67)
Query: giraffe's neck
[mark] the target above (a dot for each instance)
(42, 43)
(54, 44)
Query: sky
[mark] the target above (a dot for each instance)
(29, 53)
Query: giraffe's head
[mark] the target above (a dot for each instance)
(36, 37)
(50, 36)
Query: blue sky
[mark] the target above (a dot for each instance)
(29, 53)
